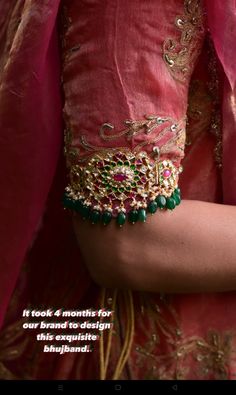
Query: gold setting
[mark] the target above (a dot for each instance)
(118, 181)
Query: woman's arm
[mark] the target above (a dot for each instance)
(189, 249)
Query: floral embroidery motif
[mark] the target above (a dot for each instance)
(169, 136)
(180, 54)
(211, 357)
(167, 353)
(135, 127)
(213, 353)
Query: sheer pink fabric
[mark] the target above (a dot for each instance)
(30, 124)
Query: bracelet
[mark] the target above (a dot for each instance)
(123, 185)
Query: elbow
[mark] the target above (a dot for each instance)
(110, 260)
(107, 280)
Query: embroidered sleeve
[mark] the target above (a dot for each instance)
(124, 115)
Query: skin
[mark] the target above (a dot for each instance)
(189, 249)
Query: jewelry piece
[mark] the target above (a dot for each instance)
(123, 185)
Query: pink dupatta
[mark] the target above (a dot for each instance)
(30, 125)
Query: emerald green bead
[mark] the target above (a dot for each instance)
(161, 201)
(170, 203)
(95, 216)
(85, 211)
(152, 207)
(67, 202)
(121, 218)
(177, 198)
(142, 215)
(177, 191)
(78, 206)
(106, 217)
(133, 216)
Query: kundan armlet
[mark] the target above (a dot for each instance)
(123, 185)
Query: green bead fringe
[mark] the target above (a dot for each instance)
(95, 216)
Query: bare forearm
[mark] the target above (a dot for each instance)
(191, 249)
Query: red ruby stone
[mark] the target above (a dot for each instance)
(120, 177)
(166, 173)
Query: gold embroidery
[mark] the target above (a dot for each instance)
(169, 134)
(162, 351)
(202, 357)
(180, 55)
(214, 353)
(204, 106)
(136, 127)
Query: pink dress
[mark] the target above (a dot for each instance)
(120, 61)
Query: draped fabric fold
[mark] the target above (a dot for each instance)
(222, 25)
(30, 127)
